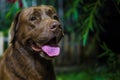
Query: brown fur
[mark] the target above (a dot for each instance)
(20, 61)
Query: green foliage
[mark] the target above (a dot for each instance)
(107, 51)
(73, 11)
(8, 17)
(117, 1)
(84, 18)
(90, 75)
(89, 22)
(75, 76)
(112, 61)
(13, 10)
(71, 14)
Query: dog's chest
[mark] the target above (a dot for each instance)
(26, 68)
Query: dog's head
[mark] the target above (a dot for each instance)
(38, 29)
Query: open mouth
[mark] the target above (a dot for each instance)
(50, 48)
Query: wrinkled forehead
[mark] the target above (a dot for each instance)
(41, 9)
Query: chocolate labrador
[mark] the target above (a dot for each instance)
(35, 34)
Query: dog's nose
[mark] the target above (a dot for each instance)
(55, 26)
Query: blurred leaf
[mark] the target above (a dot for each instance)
(73, 10)
(107, 51)
(118, 2)
(111, 55)
(12, 10)
(90, 24)
(104, 46)
(99, 3)
(85, 38)
(25, 3)
(67, 15)
(88, 7)
(81, 1)
(85, 21)
(103, 54)
(76, 15)
(16, 5)
(76, 2)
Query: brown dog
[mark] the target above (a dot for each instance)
(35, 34)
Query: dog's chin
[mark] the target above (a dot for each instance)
(43, 55)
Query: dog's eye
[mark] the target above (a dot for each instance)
(33, 18)
(55, 17)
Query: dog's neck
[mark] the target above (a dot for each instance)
(20, 48)
(23, 49)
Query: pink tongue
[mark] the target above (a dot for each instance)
(51, 51)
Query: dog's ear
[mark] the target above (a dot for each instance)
(14, 27)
